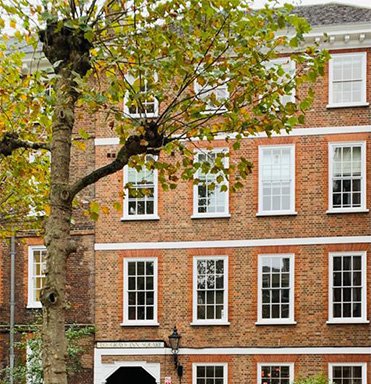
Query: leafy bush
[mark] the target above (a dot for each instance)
(31, 370)
(319, 379)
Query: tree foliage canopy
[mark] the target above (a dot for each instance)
(175, 54)
(164, 74)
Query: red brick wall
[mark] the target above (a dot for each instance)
(175, 300)
(175, 266)
(243, 369)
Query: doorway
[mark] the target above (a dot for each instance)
(131, 375)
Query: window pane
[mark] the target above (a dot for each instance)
(276, 179)
(279, 374)
(347, 286)
(347, 79)
(210, 374)
(140, 290)
(38, 274)
(275, 288)
(210, 288)
(141, 191)
(209, 197)
(347, 176)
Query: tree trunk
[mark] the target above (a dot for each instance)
(57, 237)
(68, 51)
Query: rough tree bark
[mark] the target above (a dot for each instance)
(62, 45)
(68, 50)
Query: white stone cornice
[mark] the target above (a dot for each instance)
(106, 141)
(340, 36)
(243, 243)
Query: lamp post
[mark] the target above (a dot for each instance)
(174, 340)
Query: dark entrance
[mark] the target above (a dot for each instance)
(131, 375)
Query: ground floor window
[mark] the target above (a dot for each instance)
(347, 373)
(275, 373)
(209, 373)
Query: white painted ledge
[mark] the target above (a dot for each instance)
(272, 322)
(347, 321)
(149, 324)
(211, 216)
(277, 213)
(140, 218)
(345, 210)
(209, 324)
(333, 106)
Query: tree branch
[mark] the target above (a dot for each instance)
(149, 143)
(11, 142)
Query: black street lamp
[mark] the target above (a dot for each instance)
(174, 340)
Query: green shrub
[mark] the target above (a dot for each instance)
(319, 379)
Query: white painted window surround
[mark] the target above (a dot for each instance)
(347, 177)
(149, 106)
(140, 292)
(276, 180)
(275, 372)
(276, 289)
(288, 66)
(140, 207)
(206, 93)
(210, 202)
(347, 80)
(347, 295)
(209, 373)
(350, 373)
(36, 274)
(210, 290)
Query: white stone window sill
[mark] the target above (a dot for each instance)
(347, 105)
(276, 322)
(211, 216)
(142, 115)
(277, 213)
(347, 210)
(215, 111)
(140, 217)
(140, 324)
(34, 306)
(347, 321)
(209, 323)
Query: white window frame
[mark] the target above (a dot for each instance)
(224, 319)
(347, 320)
(131, 80)
(354, 364)
(282, 61)
(126, 321)
(32, 302)
(291, 211)
(202, 93)
(126, 216)
(199, 215)
(363, 102)
(331, 151)
(199, 364)
(290, 365)
(278, 321)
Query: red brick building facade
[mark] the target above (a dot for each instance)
(265, 285)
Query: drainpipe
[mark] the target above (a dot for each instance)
(12, 307)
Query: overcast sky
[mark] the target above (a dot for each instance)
(360, 3)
